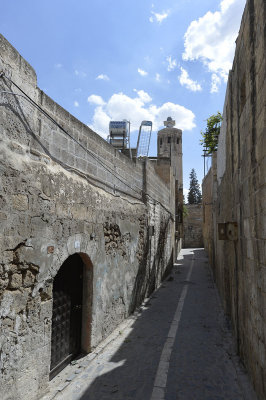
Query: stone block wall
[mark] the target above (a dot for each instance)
(208, 200)
(239, 194)
(193, 226)
(67, 191)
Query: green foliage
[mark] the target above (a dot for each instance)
(194, 194)
(211, 134)
(185, 211)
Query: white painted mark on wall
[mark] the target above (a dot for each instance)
(77, 244)
(159, 386)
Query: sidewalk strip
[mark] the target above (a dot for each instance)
(159, 386)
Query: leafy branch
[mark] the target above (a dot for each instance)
(211, 134)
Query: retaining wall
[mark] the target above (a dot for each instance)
(67, 191)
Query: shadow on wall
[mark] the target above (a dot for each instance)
(132, 369)
(146, 279)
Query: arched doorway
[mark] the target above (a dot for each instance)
(67, 313)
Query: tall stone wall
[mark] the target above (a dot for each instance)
(64, 190)
(193, 226)
(239, 261)
(208, 201)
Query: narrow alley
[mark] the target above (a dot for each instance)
(177, 346)
(106, 291)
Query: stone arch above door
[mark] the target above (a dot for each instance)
(71, 316)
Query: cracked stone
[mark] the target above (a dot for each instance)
(16, 281)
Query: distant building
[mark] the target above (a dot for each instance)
(169, 166)
(169, 146)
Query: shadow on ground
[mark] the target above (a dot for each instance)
(135, 364)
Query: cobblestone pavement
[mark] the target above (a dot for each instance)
(178, 346)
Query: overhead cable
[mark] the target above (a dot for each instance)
(97, 158)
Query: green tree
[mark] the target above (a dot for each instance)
(194, 194)
(185, 211)
(211, 134)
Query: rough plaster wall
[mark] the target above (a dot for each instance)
(45, 203)
(240, 267)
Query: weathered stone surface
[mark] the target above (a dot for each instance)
(238, 195)
(15, 281)
(13, 302)
(193, 226)
(56, 200)
(20, 202)
(28, 279)
(3, 216)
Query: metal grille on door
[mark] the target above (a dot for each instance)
(67, 314)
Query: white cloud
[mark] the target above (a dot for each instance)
(158, 77)
(58, 66)
(159, 17)
(185, 192)
(185, 80)
(76, 103)
(171, 63)
(142, 72)
(211, 38)
(80, 73)
(143, 97)
(103, 77)
(216, 81)
(136, 109)
(97, 100)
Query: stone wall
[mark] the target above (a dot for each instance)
(239, 193)
(64, 190)
(208, 200)
(193, 226)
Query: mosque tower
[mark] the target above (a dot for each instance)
(169, 154)
(169, 146)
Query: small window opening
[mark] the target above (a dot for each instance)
(177, 141)
(161, 141)
(169, 139)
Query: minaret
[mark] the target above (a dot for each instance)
(169, 146)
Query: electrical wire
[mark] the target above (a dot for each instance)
(111, 171)
(68, 134)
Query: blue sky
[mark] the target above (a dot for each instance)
(141, 59)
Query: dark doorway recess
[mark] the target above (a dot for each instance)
(67, 314)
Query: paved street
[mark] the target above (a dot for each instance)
(177, 347)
